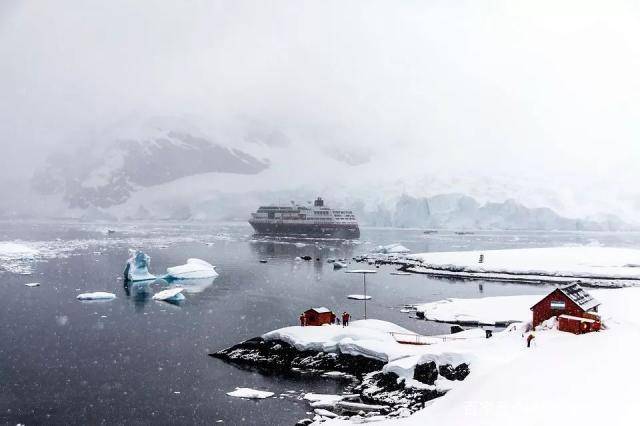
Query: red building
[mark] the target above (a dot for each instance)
(570, 301)
(577, 325)
(319, 316)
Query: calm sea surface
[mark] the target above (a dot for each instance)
(133, 360)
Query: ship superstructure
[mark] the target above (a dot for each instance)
(300, 220)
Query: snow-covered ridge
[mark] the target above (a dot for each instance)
(597, 266)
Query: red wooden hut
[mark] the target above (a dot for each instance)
(572, 301)
(319, 316)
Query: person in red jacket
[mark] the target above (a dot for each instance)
(345, 319)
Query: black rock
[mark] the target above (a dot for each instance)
(426, 373)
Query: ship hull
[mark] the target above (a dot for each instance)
(349, 232)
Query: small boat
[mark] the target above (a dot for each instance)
(263, 260)
(400, 273)
(339, 265)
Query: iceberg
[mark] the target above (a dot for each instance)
(137, 268)
(171, 295)
(97, 295)
(194, 268)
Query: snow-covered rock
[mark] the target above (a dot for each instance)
(137, 268)
(250, 393)
(194, 268)
(370, 338)
(97, 295)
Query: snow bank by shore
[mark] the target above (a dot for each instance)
(597, 266)
(484, 311)
(370, 338)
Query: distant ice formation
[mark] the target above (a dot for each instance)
(392, 249)
(137, 268)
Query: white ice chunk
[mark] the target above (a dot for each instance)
(392, 249)
(194, 268)
(250, 393)
(137, 268)
(359, 297)
(169, 294)
(97, 295)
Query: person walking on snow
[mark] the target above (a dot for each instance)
(530, 337)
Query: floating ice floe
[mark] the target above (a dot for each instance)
(32, 284)
(137, 268)
(194, 268)
(359, 297)
(172, 294)
(250, 393)
(97, 295)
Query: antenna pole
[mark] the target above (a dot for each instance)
(364, 283)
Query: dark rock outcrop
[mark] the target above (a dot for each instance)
(274, 356)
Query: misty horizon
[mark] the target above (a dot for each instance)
(501, 101)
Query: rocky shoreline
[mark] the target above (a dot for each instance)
(371, 392)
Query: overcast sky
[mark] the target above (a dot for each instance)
(538, 87)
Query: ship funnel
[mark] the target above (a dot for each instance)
(318, 202)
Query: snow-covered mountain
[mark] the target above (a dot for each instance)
(109, 176)
(169, 169)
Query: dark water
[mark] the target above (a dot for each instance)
(137, 361)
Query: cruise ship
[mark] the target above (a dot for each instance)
(312, 221)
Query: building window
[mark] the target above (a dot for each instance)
(557, 304)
